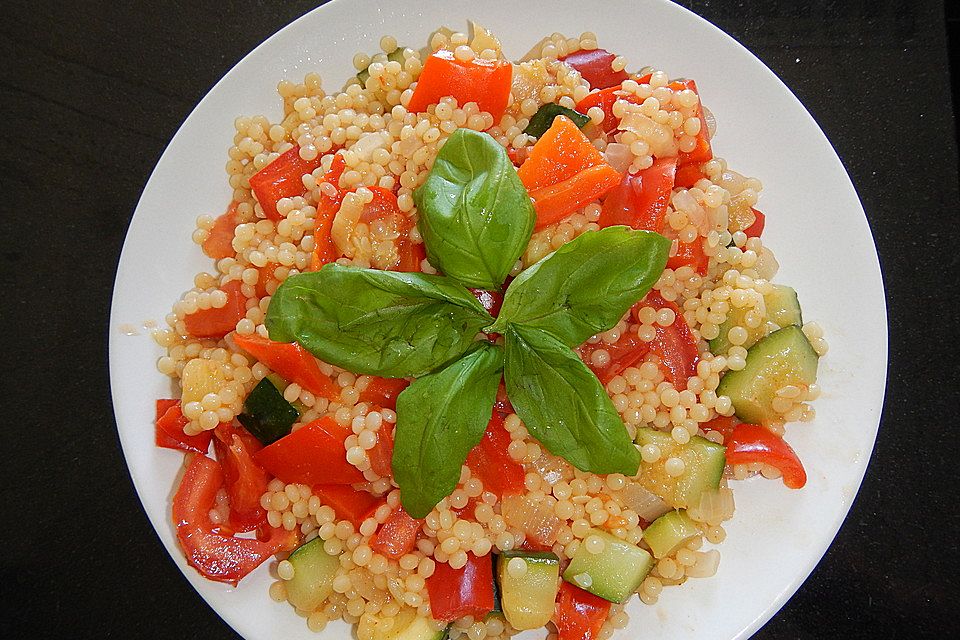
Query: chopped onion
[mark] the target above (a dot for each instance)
(534, 518)
(766, 265)
(711, 121)
(716, 505)
(552, 469)
(618, 156)
(706, 564)
(645, 503)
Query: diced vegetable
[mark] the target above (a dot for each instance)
(675, 345)
(381, 456)
(605, 99)
(688, 175)
(383, 392)
(690, 254)
(170, 422)
(491, 300)
(350, 504)
(486, 82)
(407, 625)
(782, 309)
(622, 354)
(397, 536)
(782, 358)
(282, 178)
(614, 572)
(218, 322)
(754, 230)
(564, 172)
(752, 443)
(640, 200)
(244, 479)
(324, 250)
(669, 532)
(313, 454)
(314, 571)
(533, 517)
(468, 591)
(703, 463)
(291, 361)
(543, 118)
(200, 377)
(528, 587)
(595, 66)
(580, 614)
(648, 505)
(215, 555)
(219, 242)
(492, 465)
(266, 414)
(701, 152)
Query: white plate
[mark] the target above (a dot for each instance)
(816, 227)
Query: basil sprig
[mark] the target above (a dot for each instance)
(563, 405)
(475, 215)
(476, 219)
(586, 286)
(375, 322)
(543, 118)
(440, 417)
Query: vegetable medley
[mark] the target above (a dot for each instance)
(484, 347)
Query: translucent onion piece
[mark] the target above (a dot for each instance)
(534, 518)
(646, 504)
(706, 564)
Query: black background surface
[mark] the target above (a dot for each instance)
(91, 92)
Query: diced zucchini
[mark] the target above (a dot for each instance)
(703, 467)
(313, 573)
(782, 309)
(407, 625)
(613, 573)
(669, 532)
(266, 414)
(497, 606)
(785, 357)
(528, 597)
(395, 56)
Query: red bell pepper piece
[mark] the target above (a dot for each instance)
(169, 434)
(291, 362)
(564, 172)
(624, 353)
(216, 323)
(687, 175)
(486, 82)
(754, 230)
(244, 479)
(282, 178)
(690, 254)
(325, 251)
(604, 98)
(348, 503)
(313, 454)
(381, 456)
(579, 614)
(215, 555)
(468, 591)
(753, 443)
(219, 243)
(397, 536)
(411, 254)
(491, 300)
(702, 152)
(383, 392)
(640, 200)
(675, 345)
(595, 67)
(724, 425)
(492, 465)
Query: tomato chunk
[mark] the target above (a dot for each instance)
(313, 454)
(702, 152)
(244, 479)
(595, 66)
(325, 251)
(169, 434)
(753, 443)
(282, 178)
(397, 536)
(381, 456)
(675, 345)
(622, 354)
(291, 362)
(640, 200)
(219, 242)
(219, 557)
(690, 254)
(348, 503)
(218, 322)
(754, 230)
(490, 462)
(486, 82)
(468, 591)
(579, 614)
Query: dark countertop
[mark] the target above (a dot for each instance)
(92, 93)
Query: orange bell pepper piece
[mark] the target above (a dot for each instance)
(290, 361)
(565, 172)
(282, 178)
(218, 322)
(219, 243)
(486, 82)
(397, 536)
(325, 250)
(313, 454)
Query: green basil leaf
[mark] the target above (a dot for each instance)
(563, 405)
(375, 322)
(586, 285)
(475, 215)
(440, 417)
(544, 116)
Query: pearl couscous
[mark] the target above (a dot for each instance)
(523, 531)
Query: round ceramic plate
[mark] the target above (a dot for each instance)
(815, 226)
